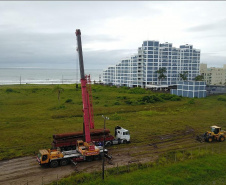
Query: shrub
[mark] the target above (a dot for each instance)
(151, 99)
(165, 96)
(137, 90)
(129, 102)
(123, 89)
(61, 107)
(96, 97)
(9, 90)
(175, 98)
(191, 101)
(58, 107)
(170, 97)
(34, 90)
(115, 116)
(221, 99)
(69, 101)
(117, 103)
(122, 97)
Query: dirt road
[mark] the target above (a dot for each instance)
(26, 170)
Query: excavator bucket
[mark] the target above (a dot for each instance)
(200, 138)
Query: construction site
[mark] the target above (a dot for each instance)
(104, 127)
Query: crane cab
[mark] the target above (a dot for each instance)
(87, 149)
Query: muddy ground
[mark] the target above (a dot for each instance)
(25, 170)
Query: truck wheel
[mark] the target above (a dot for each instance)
(124, 141)
(54, 164)
(100, 156)
(89, 158)
(222, 138)
(108, 143)
(210, 139)
(63, 162)
(119, 141)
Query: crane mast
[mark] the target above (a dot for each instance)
(85, 95)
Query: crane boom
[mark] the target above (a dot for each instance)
(85, 96)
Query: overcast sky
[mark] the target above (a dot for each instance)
(42, 34)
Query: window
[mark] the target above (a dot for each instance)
(156, 44)
(126, 133)
(150, 52)
(150, 43)
(150, 48)
(150, 60)
(44, 157)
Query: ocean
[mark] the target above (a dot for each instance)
(45, 76)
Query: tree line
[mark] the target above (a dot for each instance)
(183, 76)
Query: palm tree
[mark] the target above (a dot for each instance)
(161, 74)
(183, 75)
(199, 78)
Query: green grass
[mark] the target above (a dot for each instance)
(31, 114)
(204, 169)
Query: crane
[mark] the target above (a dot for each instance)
(87, 147)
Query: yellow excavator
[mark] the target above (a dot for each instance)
(215, 134)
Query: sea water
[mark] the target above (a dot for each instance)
(45, 76)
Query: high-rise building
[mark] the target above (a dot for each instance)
(213, 75)
(139, 70)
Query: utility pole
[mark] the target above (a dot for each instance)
(103, 146)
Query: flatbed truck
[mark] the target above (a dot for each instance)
(67, 141)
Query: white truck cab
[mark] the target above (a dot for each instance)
(122, 134)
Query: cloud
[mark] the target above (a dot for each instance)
(219, 25)
(41, 34)
(213, 59)
(101, 59)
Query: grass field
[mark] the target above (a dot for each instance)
(31, 114)
(205, 169)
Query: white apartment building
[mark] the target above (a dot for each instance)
(139, 70)
(213, 75)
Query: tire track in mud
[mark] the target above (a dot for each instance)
(26, 170)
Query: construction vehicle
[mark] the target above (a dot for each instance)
(215, 134)
(85, 149)
(54, 158)
(82, 143)
(67, 141)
